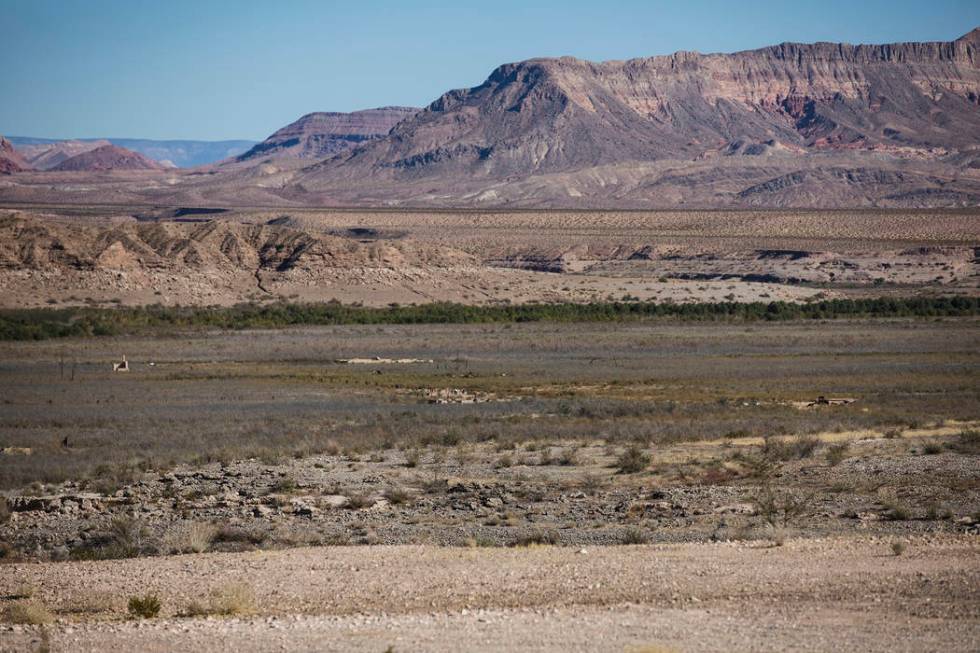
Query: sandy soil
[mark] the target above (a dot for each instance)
(825, 594)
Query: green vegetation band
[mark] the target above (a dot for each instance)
(40, 324)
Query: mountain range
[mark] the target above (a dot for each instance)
(321, 135)
(821, 125)
(176, 153)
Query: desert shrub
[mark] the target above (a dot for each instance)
(31, 613)
(546, 457)
(568, 457)
(127, 537)
(412, 458)
(284, 485)
(896, 512)
(236, 598)
(359, 501)
(144, 607)
(932, 448)
(800, 447)
(4, 510)
(537, 537)
(967, 442)
(836, 453)
(632, 460)
(397, 495)
(504, 461)
(591, 483)
(450, 439)
(780, 508)
(227, 600)
(634, 535)
(189, 537)
(229, 534)
(898, 548)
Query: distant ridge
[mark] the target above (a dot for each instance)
(107, 157)
(182, 153)
(323, 134)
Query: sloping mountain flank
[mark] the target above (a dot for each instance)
(767, 112)
(45, 156)
(320, 135)
(11, 160)
(107, 157)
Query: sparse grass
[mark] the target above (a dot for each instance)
(32, 613)
(632, 460)
(228, 600)
(189, 537)
(89, 602)
(144, 607)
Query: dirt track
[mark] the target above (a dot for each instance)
(829, 594)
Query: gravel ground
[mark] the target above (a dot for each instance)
(815, 594)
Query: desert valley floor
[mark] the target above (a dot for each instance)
(643, 485)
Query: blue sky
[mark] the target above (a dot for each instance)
(241, 69)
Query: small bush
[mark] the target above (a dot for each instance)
(898, 548)
(504, 461)
(144, 607)
(800, 447)
(190, 537)
(632, 460)
(359, 501)
(897, 512)
(780, 509)
(538, 537)
(284, 485)
(967, 442)
(397, 496)
(228, 534)
(568, 457)
(228, 600)
(932, 448)
(634, 536)
(836, 453)
(127, 537)
(412, 458)
(31, 613)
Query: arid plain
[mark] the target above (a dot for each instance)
(645, 484)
